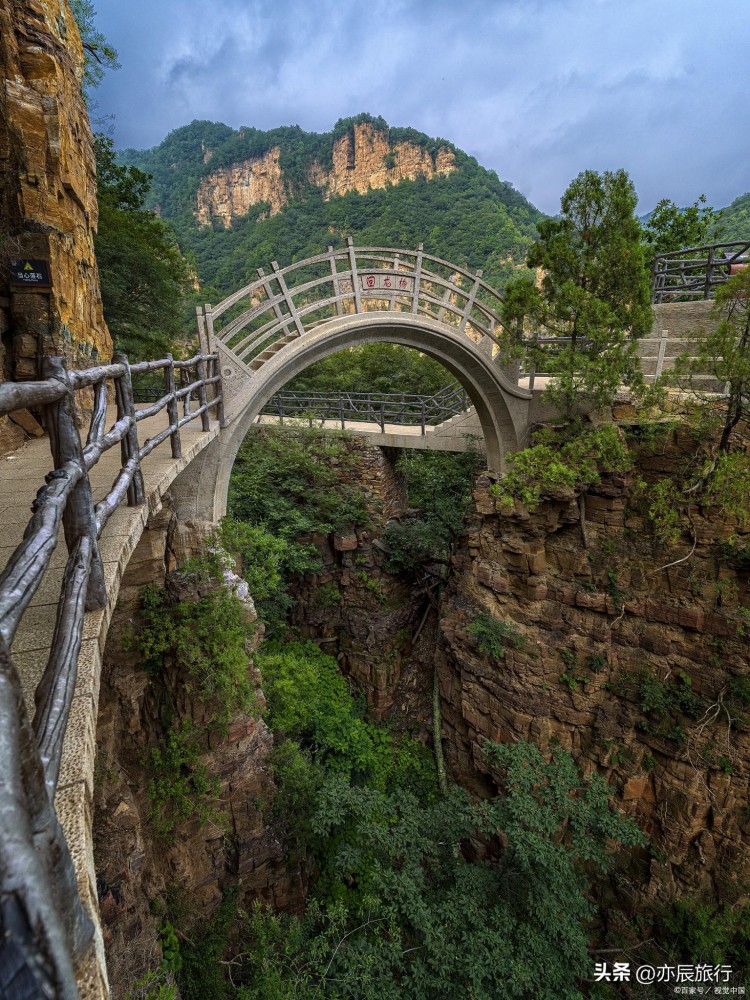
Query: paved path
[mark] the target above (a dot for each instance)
(21, 475)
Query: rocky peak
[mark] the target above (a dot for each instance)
(363, 159)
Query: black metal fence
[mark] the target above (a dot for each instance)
(368, 407)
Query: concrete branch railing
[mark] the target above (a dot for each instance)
(407, 409)
(696, 272)
(291, 301)
(44, 927)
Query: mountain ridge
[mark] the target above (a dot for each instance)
(238, 199)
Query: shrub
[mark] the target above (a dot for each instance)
(207, 639)
(180, 786)
(493, 636)
(554, 463)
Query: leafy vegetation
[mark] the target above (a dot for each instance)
(99, 55)
(287, 486)
(439, 487)
(374, 368)
(595, 290)
(493, 636)
(468, 217)
(206, 638)
(735, 220)
(181, 786)
(723, 352)
(397, 908)
(144, 277)
(563, 458)
(669, 228)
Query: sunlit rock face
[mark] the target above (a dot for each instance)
(362, 160)
(48, 208)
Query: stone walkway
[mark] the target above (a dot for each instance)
(21, 475)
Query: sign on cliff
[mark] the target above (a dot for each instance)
(29, 273)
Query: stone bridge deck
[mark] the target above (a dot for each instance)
(21, 474)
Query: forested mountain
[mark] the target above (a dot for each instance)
(735, 220)
(239, 199)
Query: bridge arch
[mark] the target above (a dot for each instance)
(501, 406)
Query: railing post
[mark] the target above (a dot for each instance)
(417, 279)
(172, 407)
(382, 416)
(355, 275)
(655, 296)
(709, 270)
(424, 430)
(336, 283)
(466, 314)
(293, 313)
(218, 389)
(200, 370)
(79, 517)
(129, 447)
(341, 411)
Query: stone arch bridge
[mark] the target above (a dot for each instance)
(96, 492)
(276, 326)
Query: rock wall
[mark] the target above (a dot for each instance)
(363, 160)
(134, 868)
(230, 192)
(353, 607)
(641, 671)
(48, 206)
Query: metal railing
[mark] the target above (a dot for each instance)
(695, 273)
(365, 407)
(44, 925)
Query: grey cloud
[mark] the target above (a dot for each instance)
(535, 89)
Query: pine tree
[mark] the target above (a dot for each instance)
(595, 291)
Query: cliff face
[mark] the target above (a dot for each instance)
(362, 160)
(353, 607)
(640, 671)
(231, 192)
(47, 189)
(47, 194)
(135, 867)
(365, 159)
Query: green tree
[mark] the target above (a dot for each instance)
(407, 915)
(723, 352)
(144, 277)
(670, 228)
(595, 291)
(99, 55)
(439, 488)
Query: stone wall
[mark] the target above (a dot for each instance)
(598, 633)
(47, 195)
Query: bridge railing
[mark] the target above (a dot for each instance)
(43, 922)
(365, 407)
(695, 273)
(288, 302)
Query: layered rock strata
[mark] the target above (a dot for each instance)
(135, 867)
(47, 196)
(638, 668)
(362, 160)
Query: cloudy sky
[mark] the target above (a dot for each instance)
(537, 90)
